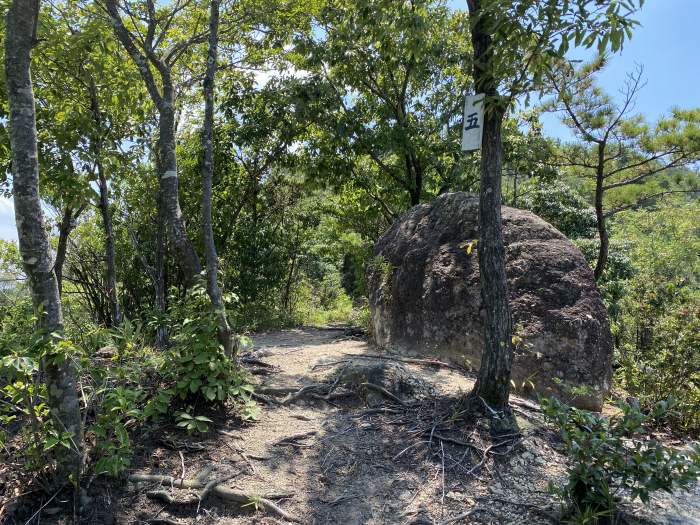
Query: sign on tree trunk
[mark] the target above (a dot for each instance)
(473, 123)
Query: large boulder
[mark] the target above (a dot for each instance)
(425, 298)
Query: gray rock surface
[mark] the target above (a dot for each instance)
(425, 298)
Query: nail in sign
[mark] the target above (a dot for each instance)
(472, 125)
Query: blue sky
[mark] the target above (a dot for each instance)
(667, 44)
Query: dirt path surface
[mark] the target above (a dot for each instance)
(342, 462)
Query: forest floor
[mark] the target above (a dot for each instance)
(340, 461)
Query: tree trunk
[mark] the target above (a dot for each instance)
(63, 231)
(493, 383)
(110, 259)
(159, 278)
(164, 101)
(33, 242)
(600, 216)
(290, 277)
(414, 180)
(188, 259)
(212, 260)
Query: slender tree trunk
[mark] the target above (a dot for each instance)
(418, 169)
(212, 260)
(493, 383)
(159, 278)
(33, 242)
(110, 259)
(63, 231)
(414, 180)
(290, 276)
(600, 216)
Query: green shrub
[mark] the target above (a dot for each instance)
(322, 304)
(667, 364)
(562, 207)
(119, 410)
(196, 370)
(611, 455)
(362, 316)
(657, 324)
(24, 415)
(142, 385)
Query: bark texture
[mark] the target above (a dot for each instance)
(212, 259)
(493, 383)
(163, 97)
(33, 242)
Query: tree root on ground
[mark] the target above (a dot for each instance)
(542, 512)
(383, 391)
(294, 439)
(320, 391)
(410, 361)
(207, 487)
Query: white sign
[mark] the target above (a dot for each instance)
(473, 123)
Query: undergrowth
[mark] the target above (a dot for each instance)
(125, 383)
(611, 456)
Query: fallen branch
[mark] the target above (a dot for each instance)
(211, 486)
(225, 493)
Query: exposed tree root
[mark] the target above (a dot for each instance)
(383, 391)
(207, 487)
(276, 390)
(320, 391)
(162, 521)
(458, 517)
(293, 440)
(305, 390)
(264, 399)
(238, 450)
(534, 508)
(409, 360)
(250, 360)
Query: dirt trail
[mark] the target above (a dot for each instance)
(349, 466)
